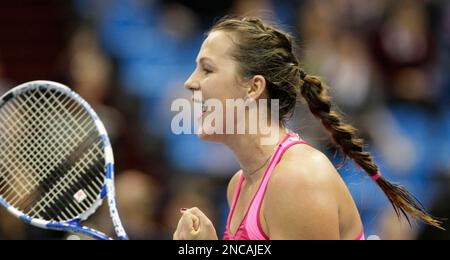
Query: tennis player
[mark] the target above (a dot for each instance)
(287, 190)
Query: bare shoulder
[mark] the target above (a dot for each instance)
(303, 167)
(232, 185)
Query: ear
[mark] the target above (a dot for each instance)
(257, 87)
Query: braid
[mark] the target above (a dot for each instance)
(345, 136)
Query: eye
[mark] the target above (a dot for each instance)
(207, 71)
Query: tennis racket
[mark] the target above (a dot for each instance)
(56, 161)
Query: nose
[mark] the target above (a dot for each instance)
(191, 83)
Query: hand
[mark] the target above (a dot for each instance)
(194, 225)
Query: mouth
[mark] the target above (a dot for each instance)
(200, 103)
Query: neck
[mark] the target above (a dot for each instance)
(251, 153)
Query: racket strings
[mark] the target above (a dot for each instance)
(9, 160)
(78, 177)
(39, 139)
(25, 150)
(73, 212)
(41, 163)
(32, 152)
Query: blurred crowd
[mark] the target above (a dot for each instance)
(387, 63)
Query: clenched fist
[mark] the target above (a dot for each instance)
(194, 225)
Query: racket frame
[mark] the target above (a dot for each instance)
(108, 190)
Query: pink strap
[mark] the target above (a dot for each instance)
(235, 198)
(361, 235)
(253, 223)
(376, 176)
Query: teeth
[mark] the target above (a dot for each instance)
(200, 102)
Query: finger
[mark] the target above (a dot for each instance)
(187, 230)
(191, 221)
(202, 218)
(176, 234)
(196, 222)
(186, 222)
(181, 227)
(197, 212)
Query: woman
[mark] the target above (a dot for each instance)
(287, 190)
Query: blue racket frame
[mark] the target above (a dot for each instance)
(108, 190)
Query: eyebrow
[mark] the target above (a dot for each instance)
(203, 59)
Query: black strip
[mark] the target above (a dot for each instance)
(65, 198)
(59, 171)
(8, 97)
(79, 183)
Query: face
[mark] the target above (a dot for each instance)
(215, 77)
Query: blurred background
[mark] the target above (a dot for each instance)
(387, 63)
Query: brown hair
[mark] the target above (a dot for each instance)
(260, 49)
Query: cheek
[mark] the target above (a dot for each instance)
(222, 85)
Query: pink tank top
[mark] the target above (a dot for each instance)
(250, 227)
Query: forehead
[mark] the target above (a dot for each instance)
(216, 46)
